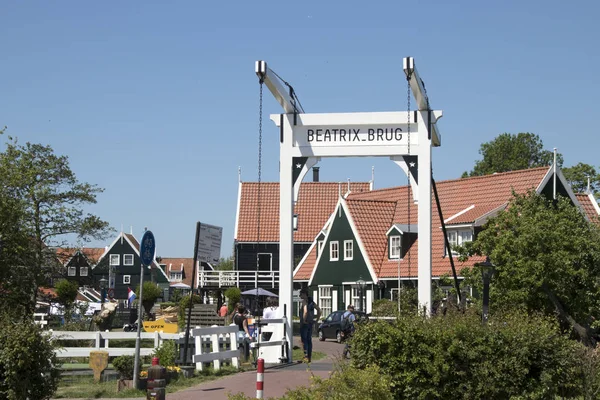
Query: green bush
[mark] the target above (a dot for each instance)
(233, 296)
(166, 353)
(124, 366)
(385, 308)
(28, 365)
(345, 383)
(456, 356)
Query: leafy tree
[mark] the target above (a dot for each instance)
(225, 264)
(66, 292)
(233, 296)
(51, 200)
(509, 152)
(150, 294)
(577, 176)
(29, 368)
(547, 259)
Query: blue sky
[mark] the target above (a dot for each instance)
(157, 102)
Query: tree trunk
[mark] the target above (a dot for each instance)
(582, 331)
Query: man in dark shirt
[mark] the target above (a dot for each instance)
(307, 319)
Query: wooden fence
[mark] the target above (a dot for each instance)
(97, 337)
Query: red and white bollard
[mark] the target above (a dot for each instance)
(260, 378)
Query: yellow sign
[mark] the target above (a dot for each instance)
(160, 326)
(98, 363)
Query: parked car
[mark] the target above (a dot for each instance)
(330, 327)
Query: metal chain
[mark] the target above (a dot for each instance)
(408, 77)
(260, 117)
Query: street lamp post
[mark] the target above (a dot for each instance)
(487, 271)
(361, 285)
(103, 285)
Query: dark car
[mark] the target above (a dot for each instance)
(330, 327)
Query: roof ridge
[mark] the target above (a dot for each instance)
(394, 202)
(316, 183)
(470, 178)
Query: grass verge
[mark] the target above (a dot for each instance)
(83, 386)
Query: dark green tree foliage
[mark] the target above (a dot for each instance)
(66, 292)
(50, 200)
(457, 357)
(577, 176)
(547, 258)
(233, 296)
(508, 152)
(150, 294)
(29, 368)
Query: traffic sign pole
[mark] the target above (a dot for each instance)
(189, 314)
(147, 249)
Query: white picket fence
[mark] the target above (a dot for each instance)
(64, 352)
(217, 338)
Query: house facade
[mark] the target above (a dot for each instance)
(256, 236)
(120, 264)
(367, 249)
(77, 264)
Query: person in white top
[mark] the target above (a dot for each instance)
(272, 311)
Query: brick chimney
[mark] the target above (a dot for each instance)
(315, 174)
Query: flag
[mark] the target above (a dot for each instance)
(130, 296)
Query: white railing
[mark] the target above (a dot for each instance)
(238, 278)
(216, 336)
(40, 319)
(273, 350)
(158, 337)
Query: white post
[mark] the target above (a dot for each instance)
(97, 346)
(198, 345)
(424, 214)
(106, 341)
(234, 346)
(286, 232)
(214, 338)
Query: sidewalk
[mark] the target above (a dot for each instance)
(277, 380)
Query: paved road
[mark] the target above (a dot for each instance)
(277, 380)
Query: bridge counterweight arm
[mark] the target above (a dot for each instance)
(276, 86)
(418, 89)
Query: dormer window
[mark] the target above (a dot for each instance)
(458, 237)
(395, 246)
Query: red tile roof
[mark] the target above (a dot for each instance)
(463, 201)
(93, 254)
(177, 265)
(588, 207)
(316, 202)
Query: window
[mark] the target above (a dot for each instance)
(458, 237)
(325, 299)
(115, 259)
(320, 244)
(394, 246)
(128, 259)
(126, 279)
(72, 271)
(356, 297)
(334, 251)
(83, 271)
(176, 276)
(265, 262)
(348, 250)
